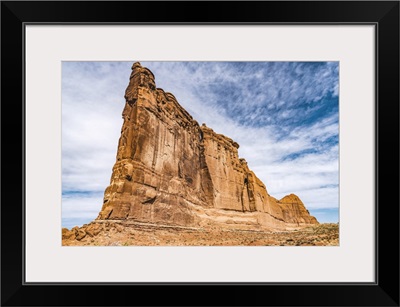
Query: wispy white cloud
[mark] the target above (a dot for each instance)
(92, 100)
(82, 207)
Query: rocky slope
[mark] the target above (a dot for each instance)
(123, 233)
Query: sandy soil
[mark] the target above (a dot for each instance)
(140, 234)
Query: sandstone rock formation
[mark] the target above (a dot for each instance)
(171, 170)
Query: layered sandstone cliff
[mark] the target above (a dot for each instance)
(171, 170)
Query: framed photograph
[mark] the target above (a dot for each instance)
(247, 146)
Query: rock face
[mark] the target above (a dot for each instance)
(171, 170)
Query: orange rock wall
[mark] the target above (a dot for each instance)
(236, 187)
(170, 170)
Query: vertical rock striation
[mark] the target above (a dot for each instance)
(170, 170)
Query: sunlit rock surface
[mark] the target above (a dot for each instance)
(170, 170)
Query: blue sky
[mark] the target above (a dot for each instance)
(284, 115)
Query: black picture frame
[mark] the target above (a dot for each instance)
(383, 14)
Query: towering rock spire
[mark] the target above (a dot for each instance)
(169, 170)
(140, 77)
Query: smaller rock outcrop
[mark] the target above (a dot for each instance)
(294, 210)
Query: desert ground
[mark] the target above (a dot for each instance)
(145, 234)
